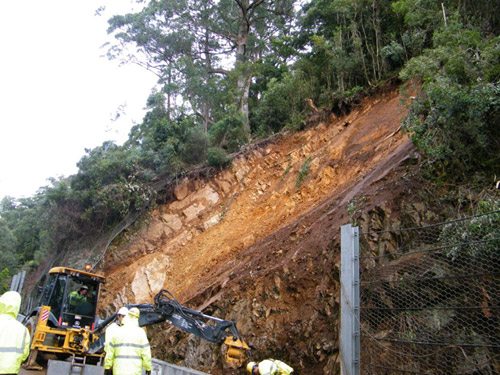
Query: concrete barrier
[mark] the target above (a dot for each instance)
(164, 368)
(158, 368)
(64, 368)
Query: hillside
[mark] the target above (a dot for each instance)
(259, 242)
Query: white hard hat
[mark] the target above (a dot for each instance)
(250, 366)
(134, 312)
(123, 311)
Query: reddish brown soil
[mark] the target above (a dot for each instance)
(272, 262)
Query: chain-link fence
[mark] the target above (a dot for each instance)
(430, 299)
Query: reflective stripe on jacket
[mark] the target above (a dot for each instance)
(128, 350)
(14, 337)
(274, 367)
(75, 299)
(283, 368)
(109, 333)
(268, 367)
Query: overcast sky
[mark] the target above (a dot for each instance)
(58, 95)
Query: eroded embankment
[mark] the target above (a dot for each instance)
(258, 242)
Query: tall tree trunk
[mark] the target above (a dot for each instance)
(243, 82)
(341, 80)
(205, 107)
(368, 47)
(169, 93)
(378, 43)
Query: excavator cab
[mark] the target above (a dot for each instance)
(62, 321)
(72, 296)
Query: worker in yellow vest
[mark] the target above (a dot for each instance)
(14, 337)
(113, 327)
(77, 298)
(269, 367)
(128, 350)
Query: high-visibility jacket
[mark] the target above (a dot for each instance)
(14, 337)
(75, 299)
(109, 333)
(274, 367)
(128, 350)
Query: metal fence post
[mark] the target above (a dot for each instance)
(13, 283)
(18, 281)
(349, 301)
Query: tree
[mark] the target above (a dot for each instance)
(454, 121)
(193, 42)
(345, 40)
(109, 184)
(25, 219)
(8, 256)
(284, 103)
(4, 279)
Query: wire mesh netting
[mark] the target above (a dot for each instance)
(430, 298)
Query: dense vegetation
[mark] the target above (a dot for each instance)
(232, 71)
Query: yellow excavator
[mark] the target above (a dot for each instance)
(62, 322)
(64, 326)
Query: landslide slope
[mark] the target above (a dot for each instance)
(259, 242)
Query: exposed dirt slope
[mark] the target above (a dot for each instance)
(259, 242)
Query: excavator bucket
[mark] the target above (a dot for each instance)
(235, 351)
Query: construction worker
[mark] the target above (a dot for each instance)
(128, 350)
(14, 337)
(76, 298)
(269, 367)
(111, 330)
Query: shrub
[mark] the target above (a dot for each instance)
(394, 54)
(303, 172)
(454, 121)
(217, 157)
(228, 133)
(283, 103)
(4, 280)
(194, 151)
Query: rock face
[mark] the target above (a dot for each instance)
(149, 280)
(258, 243)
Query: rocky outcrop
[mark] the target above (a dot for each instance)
(259, 242)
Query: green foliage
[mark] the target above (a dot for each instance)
(189, 42)
(393, 53)
(283, 103)
(228, 133)
(423, 67)
(114, 201)
(344, 41)
(8, 256)
(414, 41)
(4, 280)
(196, 142)
(355, 208)
(477, 238)
(217, 157)
(287, 170)
(105, 188)
(161, 145)
(270, 67)
(303, 172)
(334, 51)
(28, 221)
(100, 166)
(422, 14)
(354, 92)
(454, 121)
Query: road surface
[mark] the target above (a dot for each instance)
(30, 372)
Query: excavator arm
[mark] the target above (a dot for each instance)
(167, 308)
